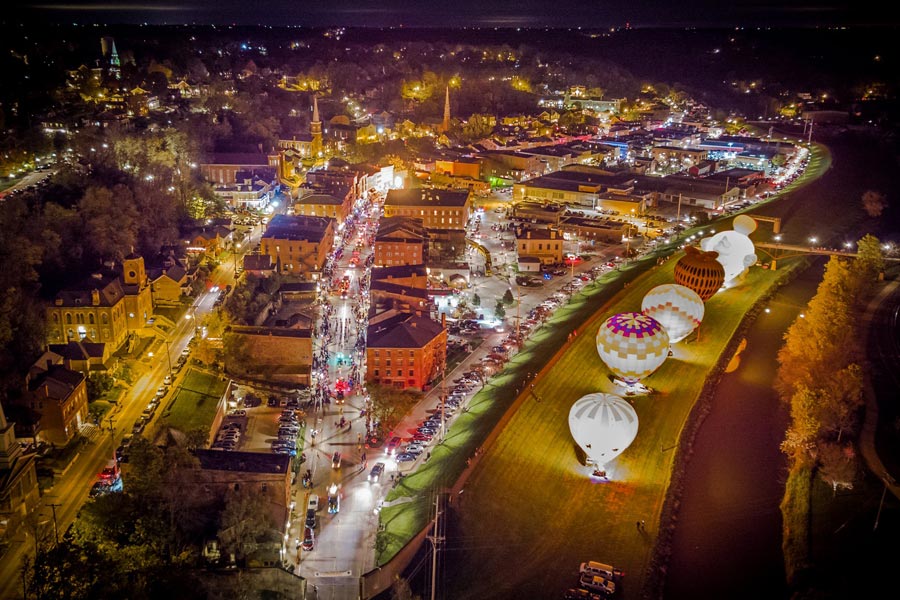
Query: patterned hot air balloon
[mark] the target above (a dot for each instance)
(677, 308)
(603, 425)
(735, 248)
(700, 271)
(632, 345)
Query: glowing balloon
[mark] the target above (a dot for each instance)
(677, 308)
(632, 345)
(736, 251)
(700, 271)
(603, 425)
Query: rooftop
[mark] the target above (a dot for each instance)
(426, 197)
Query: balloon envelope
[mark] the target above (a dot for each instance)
(632, 345)
(603, 425)
(736, 252)
(677, 308)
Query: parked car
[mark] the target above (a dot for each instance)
(336, 460)
(405, 457)
(309, 539)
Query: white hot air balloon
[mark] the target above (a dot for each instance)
(677, 308)
(736, 250)
(632, 345)
(604, 425)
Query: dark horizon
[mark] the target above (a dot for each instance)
(416, 14)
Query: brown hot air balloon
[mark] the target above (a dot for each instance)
(700, 271)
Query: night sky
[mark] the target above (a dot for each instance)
(459, 13)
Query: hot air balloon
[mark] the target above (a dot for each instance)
(677, 308)
(632, 345)
(736, 250)
(603, 425)
(700, 271)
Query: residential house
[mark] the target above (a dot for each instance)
(324, 205)
(59, 396)
(19, 492)
(83, 356)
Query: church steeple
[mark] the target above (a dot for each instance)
(315, 130)
(445, 125)
(114, 61)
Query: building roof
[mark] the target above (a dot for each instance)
(397, 272)
(108, 284)
(239, 159)
(258, 262)
(402, 330)
(60, 382)
(389, 225)
(320, 199)
(537, 234)
(243, 462)
(426, 197)
(297, 227)
(398, 289)
(82, 350)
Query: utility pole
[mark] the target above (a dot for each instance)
(56, 529)
(168, 355)
(436, 540)
(678, 214)
(809, 139)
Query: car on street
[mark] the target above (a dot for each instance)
(336, 460)
(311, 517)
(405, 457)
(580, 594)
(138, 426)
(376, 472)
(309, 539)
(167, 380)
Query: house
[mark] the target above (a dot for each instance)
(105, 307)
(209, 240)
(83, 356)
(404, 288)
(299, 245)
(259, 265)
(544, 244)
(170, 284)
(19, 493)
(405, 350)
(438, 209)
(400, 241)
(59, 396)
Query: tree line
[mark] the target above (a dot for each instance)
(820, 380)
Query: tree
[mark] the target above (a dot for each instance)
(499, 310)
(476, 299)
(110, 221)
(244, 521)
(98, 384)
(869, 264)
(389, 404)
(837, 465)
(508, 298)
(401, 590)
(874, 203)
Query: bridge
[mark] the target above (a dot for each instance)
(781, 251)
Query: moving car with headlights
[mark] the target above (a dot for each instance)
(376, 473)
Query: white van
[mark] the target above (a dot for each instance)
(313, 503)
(598, 568)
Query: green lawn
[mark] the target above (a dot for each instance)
(530, 496)
(195, 401)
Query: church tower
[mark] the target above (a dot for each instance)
(445, 125)
(114, 65)
(315, 130)
(133, 272)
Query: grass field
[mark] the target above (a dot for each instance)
(195, 402)
(530, 499)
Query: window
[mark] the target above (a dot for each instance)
(68, 318)
(91, 318)
(411, 354)
(104, 318)
(411, 373)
